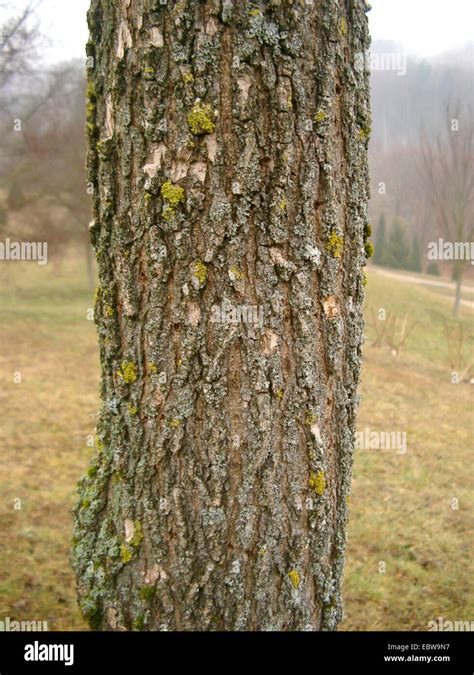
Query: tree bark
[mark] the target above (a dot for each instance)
(228, 153)
(89, 266)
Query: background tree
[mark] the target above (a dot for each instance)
(415, 256)
(19, 37)
(397, 253)
(402, 106)
(228, 153)
(380, 241)
(433, 269)
(54, 140)
(447, 167)
(44, 173)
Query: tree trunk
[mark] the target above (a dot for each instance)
(458, 273)
(457, 298)
(228, 153)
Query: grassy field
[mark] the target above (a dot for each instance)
(45, 336)
(401, 506)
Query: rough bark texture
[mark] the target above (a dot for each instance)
(229, 311)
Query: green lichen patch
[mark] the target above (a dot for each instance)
(294, 578)
(139, 623)
(320, 116)
(235, 274)
(132, 409)
(172, 194)
(137, 535)
(91, 103)
(310, 418)
(168, 213)
(201, 119)
(127, 549)
(126, 553)
(147, 593)
(187, 77)
(200, 272)
(364, 133)
(368, 246)
(90, 93)
(105, 148)
(317, 482)
(128, 372)
(335, 244)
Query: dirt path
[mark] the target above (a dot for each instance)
(423, 281)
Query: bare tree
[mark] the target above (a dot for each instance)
(54, 139)
(447, 167)
(45, 163)
(18, 41)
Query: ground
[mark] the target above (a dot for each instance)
(402, 511)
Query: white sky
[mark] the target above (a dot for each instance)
(424, 27)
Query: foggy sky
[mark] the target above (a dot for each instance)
(423, 27)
